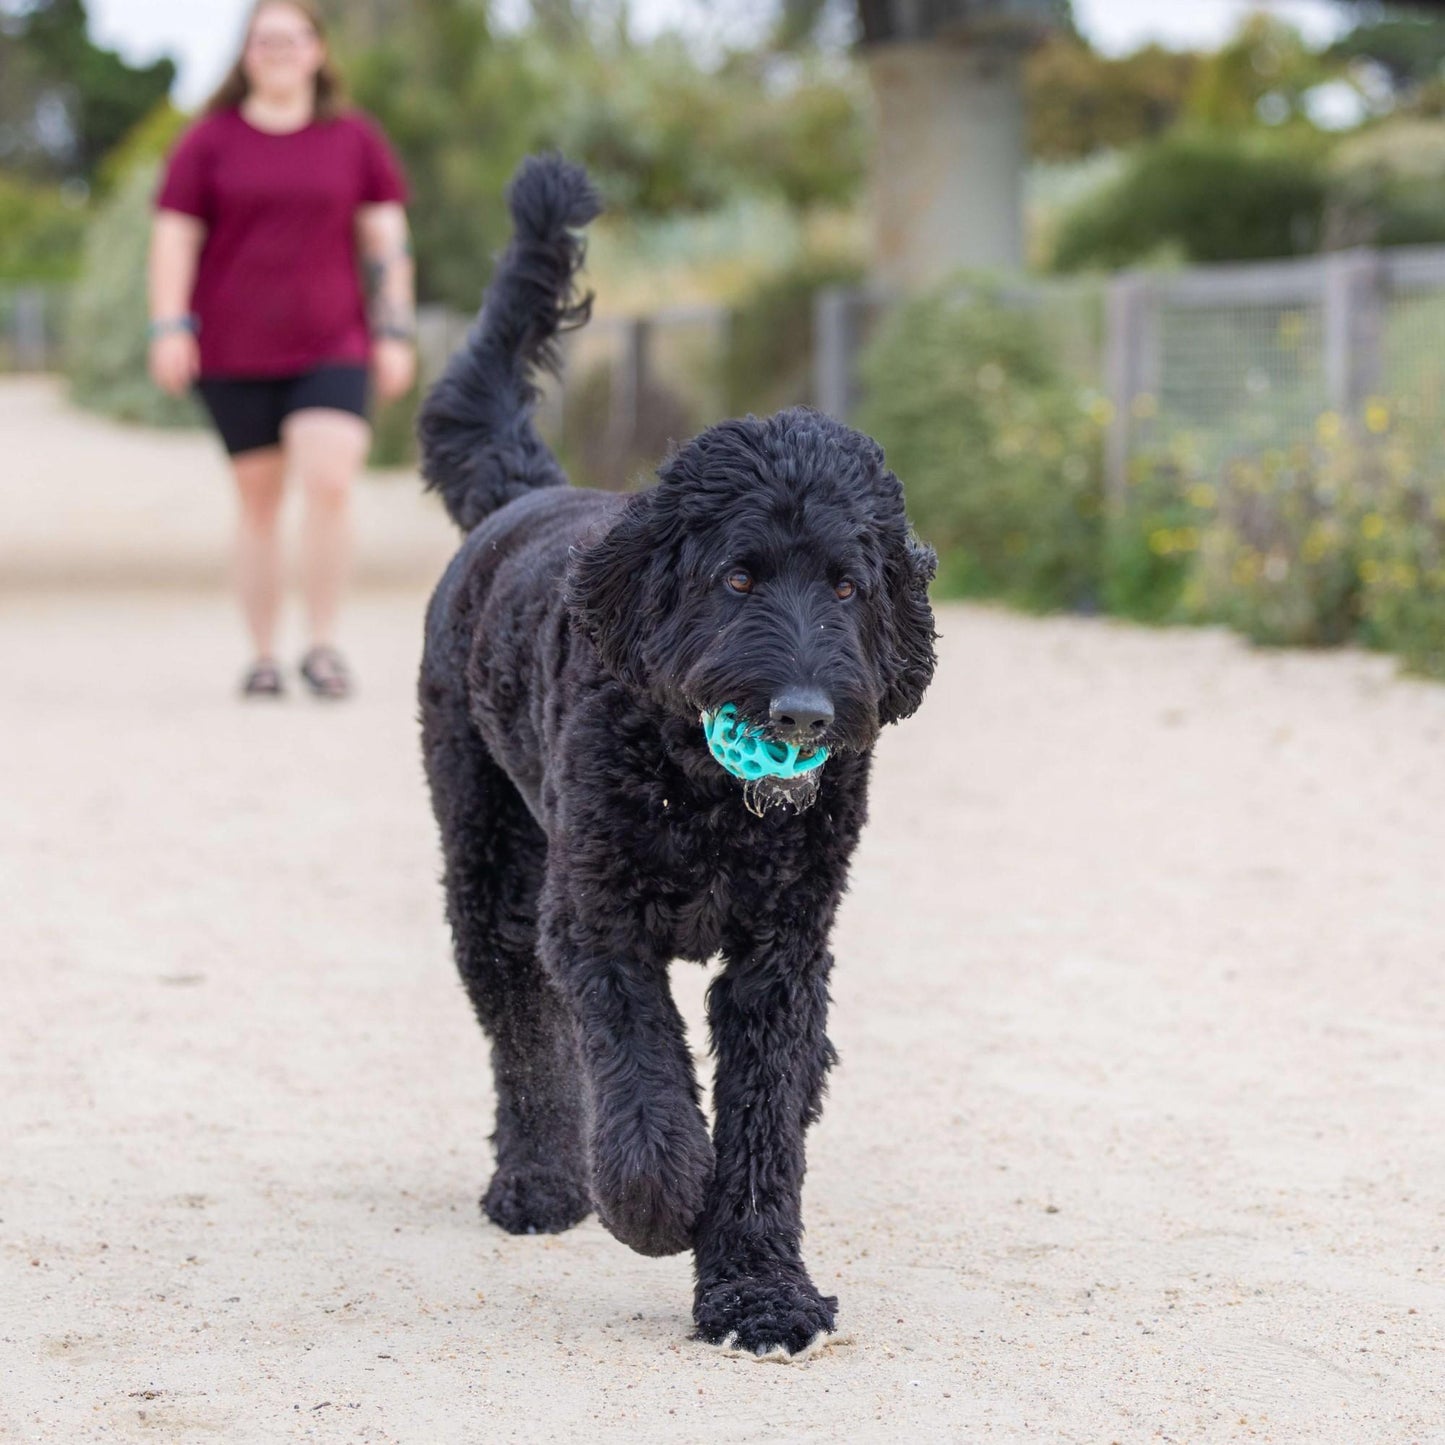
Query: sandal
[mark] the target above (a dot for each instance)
(325, 673)
(263, 679)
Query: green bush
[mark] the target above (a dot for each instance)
(1149, 544)
(42, 231)
(1000, 455)
(1201, 196)
(1277, 562)
(105, 344)
(769, 359)
(1337, 537)
(1400, 538)
(1387, 186)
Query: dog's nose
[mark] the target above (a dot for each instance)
(800, 714)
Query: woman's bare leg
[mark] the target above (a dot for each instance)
(260, 478)
(326, 449)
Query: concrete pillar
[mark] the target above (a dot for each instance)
(947, 179)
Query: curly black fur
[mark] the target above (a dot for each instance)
(589, 836)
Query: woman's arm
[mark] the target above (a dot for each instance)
(176, 242)
(385, 246)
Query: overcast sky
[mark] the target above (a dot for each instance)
(202, 35)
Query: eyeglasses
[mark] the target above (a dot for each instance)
(281, 40)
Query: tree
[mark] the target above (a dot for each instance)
(1081, 102)
(64, 101)
(660, 132)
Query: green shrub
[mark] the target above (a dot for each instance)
(1201, 196)
(1400, 532)
(769, 359)
(42, 231)
(1278, 562)
(1387, 186)
(1149, 544)
(105, 344)
(1000, 456)
(596, 451)
(1337, 537)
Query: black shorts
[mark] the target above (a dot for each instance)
(248, 410)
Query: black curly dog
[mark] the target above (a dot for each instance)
(590, 837)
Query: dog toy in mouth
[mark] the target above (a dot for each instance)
(747, 754)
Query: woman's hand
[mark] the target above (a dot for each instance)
(175, 362)
(393, 367)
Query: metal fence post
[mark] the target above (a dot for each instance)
(835, 340)
(1352, 323)
(30, 340)
(1129, 319)
(629, 385)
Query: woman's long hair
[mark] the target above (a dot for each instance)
(235, 87)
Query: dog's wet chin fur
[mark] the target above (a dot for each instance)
(791, 794)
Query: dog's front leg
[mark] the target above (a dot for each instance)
(768, 1013)
(651, 1156)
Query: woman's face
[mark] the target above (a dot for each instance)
(283, 51)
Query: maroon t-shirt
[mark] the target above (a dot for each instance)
(278, 290)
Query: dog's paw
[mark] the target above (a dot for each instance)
(774, 1317)
(535, 1200)
(651, 1200)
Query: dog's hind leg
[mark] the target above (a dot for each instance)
(495, 856)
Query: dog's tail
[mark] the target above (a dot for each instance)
(479, 447)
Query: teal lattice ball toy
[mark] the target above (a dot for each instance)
(747, 754)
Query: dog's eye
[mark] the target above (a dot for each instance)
(845, 589)
(740, 580)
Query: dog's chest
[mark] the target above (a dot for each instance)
(713, 881)
(691, 892)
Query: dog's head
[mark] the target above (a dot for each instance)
(773, 568)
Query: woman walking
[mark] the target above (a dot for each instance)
(271, 205)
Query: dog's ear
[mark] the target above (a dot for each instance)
(909, 658)
(613, 589)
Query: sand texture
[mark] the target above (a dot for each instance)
(1140, 1000)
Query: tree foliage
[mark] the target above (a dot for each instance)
(65, 101)
(1080, 102)
(661, 132)
(42, 229)
(1002, 458)
(1201, 196)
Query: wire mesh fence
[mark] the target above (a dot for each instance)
(1237, 359)
(1218, 360)
(31, 325)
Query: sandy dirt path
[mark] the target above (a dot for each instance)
(1137, 1132)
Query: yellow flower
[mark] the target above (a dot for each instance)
(1101, 410)
(1161, 541)
(1327, 426)
(1318, 542)
(1369, 571)
(1202, 495)
(1372, 527)
(1377, 415)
